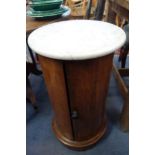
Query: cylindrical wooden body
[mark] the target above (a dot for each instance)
(77, 90)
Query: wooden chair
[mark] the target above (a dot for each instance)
(123, 72)
(118, 10)
(78, 7)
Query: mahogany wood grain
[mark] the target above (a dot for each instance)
(87, 85)
(55, 83)
(78, 91)
(78, 145)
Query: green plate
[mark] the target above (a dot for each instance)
(46, 14)
(45, 6)
(43, 1)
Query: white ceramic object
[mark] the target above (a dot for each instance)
(76, 39)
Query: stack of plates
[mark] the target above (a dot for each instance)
(47, 8)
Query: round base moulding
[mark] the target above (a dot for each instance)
(79, 145)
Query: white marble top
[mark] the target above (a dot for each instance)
(76, 39)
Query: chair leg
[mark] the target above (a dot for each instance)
(123, 56)
(125, 53)
(123, 62)
(124, 119)
(30, 95)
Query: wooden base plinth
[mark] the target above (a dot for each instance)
(79, 145)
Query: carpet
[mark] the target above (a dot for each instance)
(40, 139)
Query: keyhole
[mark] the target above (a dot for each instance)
(74, 114)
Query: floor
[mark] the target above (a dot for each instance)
(42, 141)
